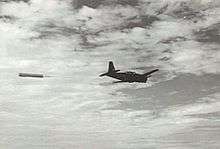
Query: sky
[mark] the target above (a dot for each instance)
(72, 41)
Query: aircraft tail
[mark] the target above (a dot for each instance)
(111, 67)
(148, 74)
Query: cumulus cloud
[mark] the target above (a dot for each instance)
(172, 35)
(73, 40)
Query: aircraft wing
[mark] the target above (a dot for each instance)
(150, 72)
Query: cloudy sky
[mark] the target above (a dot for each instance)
(73, 40)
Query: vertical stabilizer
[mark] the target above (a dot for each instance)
(111, 67)
(111, 70)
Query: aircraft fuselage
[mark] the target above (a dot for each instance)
(128, 77)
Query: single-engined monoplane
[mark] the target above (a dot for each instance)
(127, 76)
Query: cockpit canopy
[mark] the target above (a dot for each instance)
(130, 73)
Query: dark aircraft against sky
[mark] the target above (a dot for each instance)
(127, 76)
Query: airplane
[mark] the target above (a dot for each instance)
(127, 76)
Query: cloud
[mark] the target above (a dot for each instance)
(137, 33)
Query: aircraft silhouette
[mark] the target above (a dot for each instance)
(127, 76)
